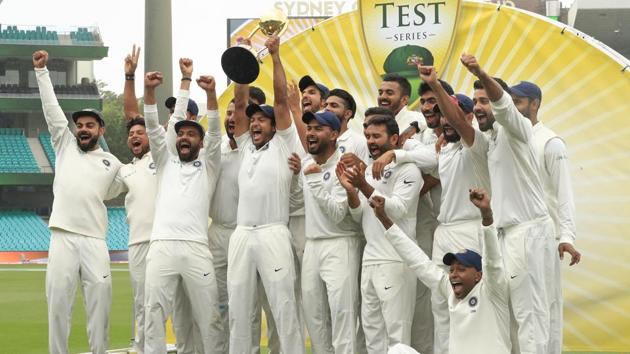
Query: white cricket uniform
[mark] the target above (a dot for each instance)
(261, 243)
(460, 169)
(354, 142)
(331, 262)
(555, 172)
(521, 216)
(223, 213)
(423, 329)
(179, 250)
(78, 224)
(137, 178)
(387, 284)
(479, 321)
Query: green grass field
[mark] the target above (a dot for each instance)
(23, 314)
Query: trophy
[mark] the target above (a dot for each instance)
(241, 63)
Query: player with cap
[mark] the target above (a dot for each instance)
(179, 250)
(462, 165)
(388, 286)
(260, 247)
(555, 172)
(525, 228)
(394, 94)
(330, 270)
(192, 110)
(476, 291)
(78, 222)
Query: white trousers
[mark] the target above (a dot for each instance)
(450, 238)
(74, 258)
(266, 252)
(331, 293)
(554, 285)
(401, 349)
(388, 297)
(169, 264)
(525, 249)
(422, 328)
(137, 271)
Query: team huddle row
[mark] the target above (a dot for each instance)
(432, 232)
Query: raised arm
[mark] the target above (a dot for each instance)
(241, 121)
(503, 107)
(212, 140)
(296, 111)
(157, 138)
(55, 118)
(181, 103)
(130, 101)
(492, 262)
(453, 114)
(280, 95)
(428, 273)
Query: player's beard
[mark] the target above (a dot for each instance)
(89, 145)
(453, 137)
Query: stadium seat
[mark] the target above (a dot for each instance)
(44, 139)
(117, 229)
(23, 231)
(15, 153)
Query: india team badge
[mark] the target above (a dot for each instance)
(405, 32)
(472, 302)
(326, 176)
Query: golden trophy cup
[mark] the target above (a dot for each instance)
(241, 63)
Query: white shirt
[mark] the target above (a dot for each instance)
(82, 179)
(138, 179)
(184, 188)
(264, 179)
(354, 142)
(462, 168)
(480, 322)
(400, 186)
(326, 202)
(405, 117)
(225, 202)
(517, 194)
(555, 172)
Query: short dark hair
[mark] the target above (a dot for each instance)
(372, 111)
(257, 94)
(477, 85)
(384, 119)
(136, 121)
(405, 86)
(349, 101)
(424, 87)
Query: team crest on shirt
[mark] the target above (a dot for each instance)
(326, 176)
(342, 149)
(387, 174)
(106, 162)
(197, 163)
(472, 302)
(152, 166)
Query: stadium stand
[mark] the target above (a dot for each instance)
(15, 154)
(44, 139)
(82, 89)
(23, 231)
(39, 34)
(117, 229)
(82, 35)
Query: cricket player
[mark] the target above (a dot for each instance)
(477, 294)
(78, 222)
(462, 165)
(332, 258)
(179, 250)
(555, 172)
(523, 222)
(342, 104)
(394, 94)
(260, 247)
(387, 285)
